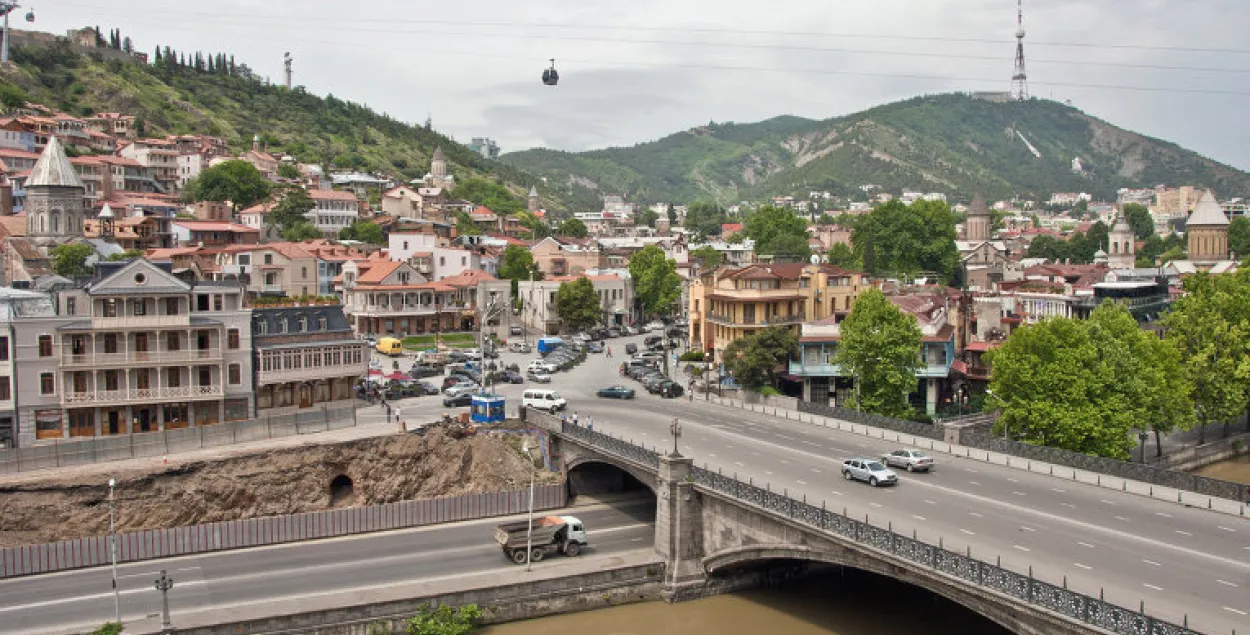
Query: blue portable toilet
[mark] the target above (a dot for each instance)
(487, 408)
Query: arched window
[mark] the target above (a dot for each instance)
(56, 222)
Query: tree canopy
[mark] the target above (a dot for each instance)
(489, 194)
(707, 255)
(1139, 219)
(1239, 237)
(573, 228)
(288, 171)
(842, 255)
(465, 225)
(753, 360)
(880, 347)
(293, 203)
(299, 231)
(70, 260)
(648, 217)
(1079, 248)
(235, 181)
(704, 218)
(364, 231)
(777, 231)
(896, 239)
(578, 304)
(518, 264)
(656, 283)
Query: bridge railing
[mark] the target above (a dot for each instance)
(1025, 588)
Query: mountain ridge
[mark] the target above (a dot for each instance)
(954, 143)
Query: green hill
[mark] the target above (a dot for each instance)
(955, 143)
(174, 99)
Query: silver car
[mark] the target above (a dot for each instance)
(868, 470)
(910, 460)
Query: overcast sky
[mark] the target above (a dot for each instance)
(634, 71)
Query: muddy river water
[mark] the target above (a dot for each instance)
(835, 604)
(1235, 469)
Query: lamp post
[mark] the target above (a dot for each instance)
(7, 7)
(1141, 436)
(674, 429)
(529, 527)
(164, 584)
(117, 598)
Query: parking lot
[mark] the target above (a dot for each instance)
(578, 385)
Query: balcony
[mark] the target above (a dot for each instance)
(759, 295)
(406, 310)
(266, 377)
(801, 369)
(140, 395)
(141, 321)
(144, 357)
(728, 320)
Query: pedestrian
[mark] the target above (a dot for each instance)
(574, 418)
(590, 423)
(609, 351)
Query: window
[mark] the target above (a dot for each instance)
(143, 381)
(45, 346)
(282, 325)
(405, 245)
(269, 259)
(110, 308)
(217, 302)
(111, 380)
(321, 323)
(232, 338)
(442, 262)
(171, 306)
(140, 307)
(303, 273)
(141, 342)
(303, 324)
(201, 303)
(5, 392)
(263, 327)
(236, 375)
(47, 384)
(206, 376)
(70, 306)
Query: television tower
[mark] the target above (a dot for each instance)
(1019, 79)
(286, 64)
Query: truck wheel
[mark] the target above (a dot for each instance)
(518, 556)
(536, 555)
(572, 549)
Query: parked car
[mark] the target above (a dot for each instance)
(649, 356)
(474, 354)
(654, 325)
(615, 331)
(630, 330)
(542, 365)
(458, 400)
(457, 357)
(631, 348)
(595, 347)
(652, 340)
(538, 376)
(868, 470)
(515, 330)
(509, 377)
(616, 392)
(670, 389)
(653, 382)
(460, 387)
(419, 371)
(427, 388)
(910, 460)
(519, 347)
(601, 334)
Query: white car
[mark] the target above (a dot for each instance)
(653, 326)
(868, 470)
(540, 365)
(910, 460)
(460, 388)
(472, 353)
(519, 347)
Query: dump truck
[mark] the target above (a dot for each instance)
(550, 534)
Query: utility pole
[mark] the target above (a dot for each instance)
(117, 598)
(529, 529)
(164, 584)
(7, 7)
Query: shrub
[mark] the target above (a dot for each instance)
(769, 391)
(691, 356)
(108, 628)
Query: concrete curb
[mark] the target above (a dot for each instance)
(1059, 472)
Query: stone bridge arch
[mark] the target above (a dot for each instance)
(586, 468)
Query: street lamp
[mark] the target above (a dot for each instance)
(529, 527)
(1141, 436)
(7, 7)
(117, 598)
(674, 429)
(164, 584)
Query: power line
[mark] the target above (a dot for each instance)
(689, 29)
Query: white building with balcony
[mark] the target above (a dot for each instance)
(306, 358)
(136, 350)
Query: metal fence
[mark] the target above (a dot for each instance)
(271, 530)
(151, 444)
(929, 431)
(1023, 588)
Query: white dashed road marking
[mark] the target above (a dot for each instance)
(875, 504)
(1227, 528)
(1021, 548)
(1183, 533)
(1227, 583)
(980, 515)
(1083, 566)
(1163, 514)
(970, 533)
(1233, 610)
(1085, 544)
(1151, 586)
(1152, 563)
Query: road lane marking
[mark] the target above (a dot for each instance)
(1019, 493)
(1152, 563)
(1106, 501)
(1230, 529)
(1022, 548)
(1013, 480)
(815, 471)
(1068, 505)
(739, 464)
(974, 483)
(974, 471)
(970, 533)
(766, 472)
(638, 539)
(712, 455)
(930, 502)
(1058, 490)
(1183, 532)
(835, 492)
(1227, 583)
(784, 462)
(1083, 566)
(980, 515)
(919, 517)
(801, 482)
(1233, 610)
(1151, 586)
(875, 504)
(1028, 529)
(1163, 514)
(755, 454)
(815, 445)
(1085, 544)
(1121, 518)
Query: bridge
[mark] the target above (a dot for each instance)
(716, 529)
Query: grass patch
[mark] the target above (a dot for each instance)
(454, 340)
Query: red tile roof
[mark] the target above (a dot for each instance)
(216, 226)
(378, 272)
(332, 195)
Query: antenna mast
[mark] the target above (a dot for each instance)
(286, 64)
(1019, 79)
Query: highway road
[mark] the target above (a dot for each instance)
(1179, 561)
(75, 601)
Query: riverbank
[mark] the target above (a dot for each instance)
(1236, 469)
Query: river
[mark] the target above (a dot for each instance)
(853, 603)
(1236, 469)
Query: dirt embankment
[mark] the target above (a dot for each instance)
(381, 469)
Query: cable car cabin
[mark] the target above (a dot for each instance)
(550, 76)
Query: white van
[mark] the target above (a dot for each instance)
(548, 400)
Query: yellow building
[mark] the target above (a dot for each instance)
(733, 302)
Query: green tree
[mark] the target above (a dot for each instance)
(12, 96)
(648, 218)
(1140, 220)
(573, 228)
(293, 203)
(235, 181)
(445, 620)
(777, 231)
(704, 218)
(707, 255)
(842, 255)
(1209, 325)
(70, 260)
(672, 215)
(364, 231)
(578, 304)
(753, 360)
(288, 171)
(1239, 236)
(826, 219)
(299, 231)
(129, 254)
(880, 348)
(896, 239)
(518, 264)
(465, 225)
(656, 283)
(489, 194)
(1048, 247)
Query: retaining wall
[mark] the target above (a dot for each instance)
(272, 530)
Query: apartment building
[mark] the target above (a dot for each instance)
(733, 302)
(159, 155)
(431, 255)
(564, 257)
(15, 304)
(387, 297)
(271, 269)
(210, 233)
(334, 210)
(305, 357)
(538, 297)
(135, 350)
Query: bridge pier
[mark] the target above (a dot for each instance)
(679, 529)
